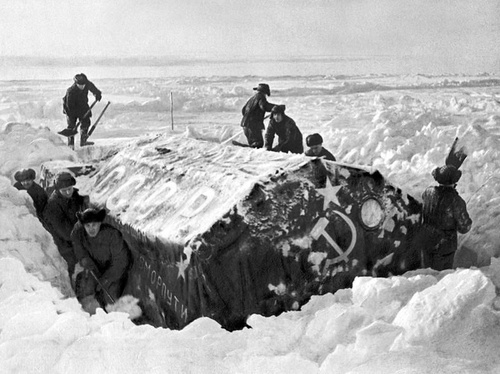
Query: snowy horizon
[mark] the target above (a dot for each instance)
(262, 67)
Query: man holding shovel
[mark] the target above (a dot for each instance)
(76, 107)
(102, 252)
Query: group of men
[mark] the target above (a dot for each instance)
(98, 258)
(444, 211)
(289, 136)
(96, 255)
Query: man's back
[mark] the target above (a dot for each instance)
(445, 209)
(255, 110)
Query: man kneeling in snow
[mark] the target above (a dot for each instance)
(289, 135)
(104, 256)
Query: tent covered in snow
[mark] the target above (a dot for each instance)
(225, 232)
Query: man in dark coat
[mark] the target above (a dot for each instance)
(60, 215)
(76, 104)
(316, 149)
(101, 251)
(26, 181)
(253, 115)
(444, 214)
(289, 135)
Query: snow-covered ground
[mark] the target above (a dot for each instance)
(423, 322)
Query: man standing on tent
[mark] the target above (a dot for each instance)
(289, 135)
(316, 149)
(102, 252)
(26, 181)
(444, 214)
(76, 105)
(253, 115)
(60, 215)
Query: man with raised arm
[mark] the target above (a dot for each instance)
(444, 214)
(253, 115)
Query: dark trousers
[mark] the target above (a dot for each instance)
(254, 137)
(438, 247)
(439, 261)
(84, 129)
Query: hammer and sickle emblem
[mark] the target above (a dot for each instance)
(320, 230)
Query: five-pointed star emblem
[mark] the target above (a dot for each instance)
(330, 193)
(182, 265)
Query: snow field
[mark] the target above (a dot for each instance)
(423, 322)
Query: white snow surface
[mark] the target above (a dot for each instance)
(422, 322)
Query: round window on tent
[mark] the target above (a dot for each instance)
(372, 213)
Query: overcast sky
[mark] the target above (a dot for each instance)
(247, 28)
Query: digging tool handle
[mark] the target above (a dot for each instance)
(102, 287)
(72, 132)
(98, 119)
(86, 113)
(231, 138)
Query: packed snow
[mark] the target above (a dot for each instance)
(422, 322)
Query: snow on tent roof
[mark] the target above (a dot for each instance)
(176, 188)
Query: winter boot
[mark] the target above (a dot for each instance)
(83, 140)
(71, 142)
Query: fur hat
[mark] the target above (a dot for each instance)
(91, 215)
(278, 109)
(81, 79)
(314, 139)
(446, 175)
(64, 180)
(263, 87)
(25, 174)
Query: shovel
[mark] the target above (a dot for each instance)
(102, 287)
(231, 138)
(98, 119)
(72, 132)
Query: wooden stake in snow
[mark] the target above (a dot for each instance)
(172, 109)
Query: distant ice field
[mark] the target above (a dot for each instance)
(48, 69)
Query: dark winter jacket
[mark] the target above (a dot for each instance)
(445, 209)
(289, 136)
(444, 213)
(107, 250)
(324, 154)
(38, 195)
(60, 215)
(254, 111)
(76, 101)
